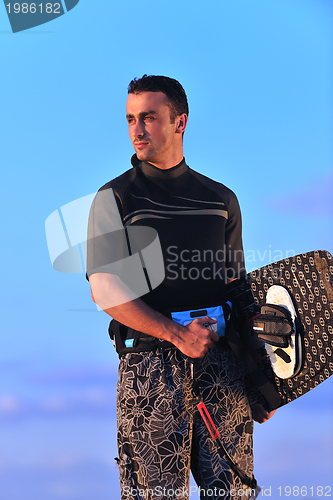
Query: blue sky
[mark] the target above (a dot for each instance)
(259, 80)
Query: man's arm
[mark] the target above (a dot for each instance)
(194, 340)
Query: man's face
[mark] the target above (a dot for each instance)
(154, 137)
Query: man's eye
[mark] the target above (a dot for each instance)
(149, 118)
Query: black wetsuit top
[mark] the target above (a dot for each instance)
(198, 223)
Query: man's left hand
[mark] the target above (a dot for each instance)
(261, 415)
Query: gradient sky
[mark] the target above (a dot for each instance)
(258, 75)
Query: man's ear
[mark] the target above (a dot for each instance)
(181, 122)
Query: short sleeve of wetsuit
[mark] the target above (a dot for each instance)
(106, 242)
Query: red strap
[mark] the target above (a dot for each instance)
(208, 421)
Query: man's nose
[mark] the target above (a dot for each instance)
(138, 129)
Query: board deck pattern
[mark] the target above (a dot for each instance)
(309, 279)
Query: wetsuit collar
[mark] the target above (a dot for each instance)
(151, 171)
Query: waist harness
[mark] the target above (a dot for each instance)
(127, 339)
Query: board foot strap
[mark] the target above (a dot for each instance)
(274, 325)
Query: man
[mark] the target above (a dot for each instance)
(160, 433)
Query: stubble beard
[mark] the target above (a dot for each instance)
(151, 156)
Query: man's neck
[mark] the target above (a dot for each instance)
(169, 162)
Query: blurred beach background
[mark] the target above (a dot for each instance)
(259, 79)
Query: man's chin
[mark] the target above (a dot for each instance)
(144, 156)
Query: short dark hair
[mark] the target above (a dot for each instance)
(175, 93)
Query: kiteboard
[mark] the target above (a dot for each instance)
(298, 293)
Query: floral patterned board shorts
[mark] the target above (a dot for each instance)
(161, 434)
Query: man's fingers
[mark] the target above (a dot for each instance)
(199, 338)
(205, 320)
(261, 415)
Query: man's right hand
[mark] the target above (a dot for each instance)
(197, 338)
